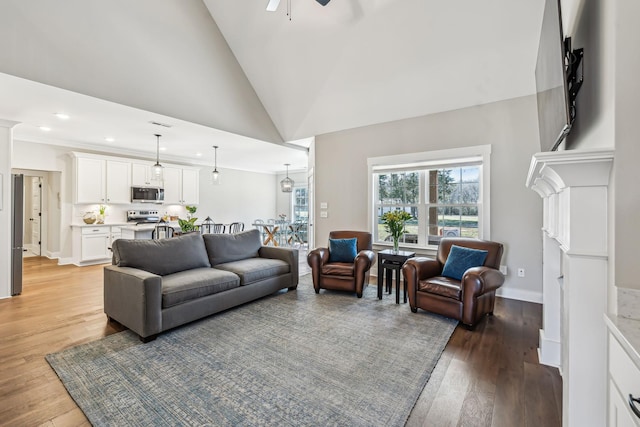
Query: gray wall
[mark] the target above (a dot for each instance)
(516, 213)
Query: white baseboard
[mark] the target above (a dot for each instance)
(65, 261)
(52, 255)
(520, 295)
(549, 351)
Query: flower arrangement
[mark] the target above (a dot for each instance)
(394, 223)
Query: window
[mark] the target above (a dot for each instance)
(300, 204)
(443, 192)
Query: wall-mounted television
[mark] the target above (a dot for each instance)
(557, 81)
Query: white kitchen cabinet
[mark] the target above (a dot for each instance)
(98, 180)
(142, 176)
(118, 182)
(90, 180)
(190, 186)
(181, 186)
(624, 380)
(95, 244)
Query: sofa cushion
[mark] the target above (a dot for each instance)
(162, 257)
(223, 248)
(197, 283)
(461, 259)
(252, 270)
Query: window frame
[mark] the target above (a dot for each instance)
(453, 157)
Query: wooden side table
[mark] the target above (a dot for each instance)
(391, 260)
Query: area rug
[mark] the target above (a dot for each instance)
(291, 359)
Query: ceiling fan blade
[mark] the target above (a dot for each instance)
(323, 2)
(273, 5)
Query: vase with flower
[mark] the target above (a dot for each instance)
(394, 224)
(100, 217)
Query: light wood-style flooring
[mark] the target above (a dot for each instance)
(493, 378)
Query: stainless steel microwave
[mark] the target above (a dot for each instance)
(147, 195)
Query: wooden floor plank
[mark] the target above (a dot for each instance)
(492, 373)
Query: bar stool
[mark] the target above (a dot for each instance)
(162, 231)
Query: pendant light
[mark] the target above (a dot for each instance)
(286, 185)
(157, 168)
(215, 175)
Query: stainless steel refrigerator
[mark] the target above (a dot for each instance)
(17, 230)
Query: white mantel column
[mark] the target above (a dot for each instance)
(574, 186)
(6, 148)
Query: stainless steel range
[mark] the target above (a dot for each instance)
(143, 217)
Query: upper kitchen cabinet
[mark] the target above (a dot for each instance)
(142, 176)
(181, 186)
(101, 180)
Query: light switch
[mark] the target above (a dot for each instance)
(324, 214)
(323, 205)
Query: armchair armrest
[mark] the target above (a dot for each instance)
(364, 260)
(288, 255)
(480, 280)
(416, 269)
(133, 297)
(316, 259)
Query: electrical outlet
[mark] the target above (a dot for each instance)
(503, 269)
(324, 214)
(521, 272)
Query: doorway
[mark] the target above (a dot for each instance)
(32, 216)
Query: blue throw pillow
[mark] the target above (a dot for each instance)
(461, 259)
(343, 250)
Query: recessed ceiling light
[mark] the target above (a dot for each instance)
(62, 116)
(199, 154)
(109, 139)
(45, 128)
(163, 148)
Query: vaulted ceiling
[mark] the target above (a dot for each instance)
(233, 67)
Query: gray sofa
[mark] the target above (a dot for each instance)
(156, 285)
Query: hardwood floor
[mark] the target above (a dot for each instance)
(492, 379)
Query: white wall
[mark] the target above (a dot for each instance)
(340, 174)
(240, 197)
(167, 57)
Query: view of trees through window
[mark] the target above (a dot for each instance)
(441, 202)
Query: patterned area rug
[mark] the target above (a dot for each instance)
(291, 359)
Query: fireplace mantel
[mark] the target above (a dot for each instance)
(574, 187)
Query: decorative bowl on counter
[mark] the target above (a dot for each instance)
(89, 218)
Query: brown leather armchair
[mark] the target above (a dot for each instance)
(342, 276)
(467, 300)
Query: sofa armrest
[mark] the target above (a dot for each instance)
(133, 297)
(288, 255)
(416, 269)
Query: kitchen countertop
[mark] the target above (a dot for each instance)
(627, 331)
(109, 224)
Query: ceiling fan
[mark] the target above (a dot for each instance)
(273, 4)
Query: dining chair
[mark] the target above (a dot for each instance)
(236, 227)
(162, 231)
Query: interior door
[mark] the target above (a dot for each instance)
(36, 215)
